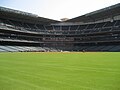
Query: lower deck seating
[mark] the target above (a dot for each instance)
(111, 48)
(25, 49)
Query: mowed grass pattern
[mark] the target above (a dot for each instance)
(60, 71)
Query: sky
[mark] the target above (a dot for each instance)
(57, 9)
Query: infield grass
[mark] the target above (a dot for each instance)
(60, 71)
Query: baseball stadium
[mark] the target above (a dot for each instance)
(38, 53)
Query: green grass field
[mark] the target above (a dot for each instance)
(60, 71)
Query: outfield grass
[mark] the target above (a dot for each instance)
(60, 71)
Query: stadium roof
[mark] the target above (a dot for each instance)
(24, 16)
(104, 13)
(101, 14)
